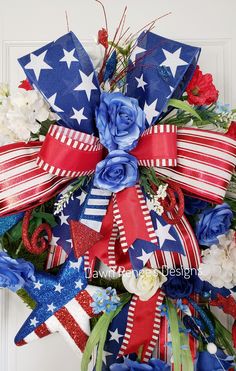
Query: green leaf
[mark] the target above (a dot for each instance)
(186, 357)
(176, 103)
(99, 334)
(49, 218)
(175, 334)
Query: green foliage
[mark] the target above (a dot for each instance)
(175, 334)
(26, 298)
(99, 334)
(148, 178)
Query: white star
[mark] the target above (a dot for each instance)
(52, 103)
(76, 265)
(115, 335)
(173, 60)
(51, 307)
(81, 197)
(141, 82)
(78, 284)
(136, 51)
(37, 64)
(33, 322)
(150, 111)
(58, 288)
(79, 115)
(105, 355)
(69, 241)
(68, 57)
(162, 233)
(54, 240)
(86, 84)
(38, 285)
(63, 219)
(145, 256)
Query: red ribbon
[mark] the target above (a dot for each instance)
(143, 326)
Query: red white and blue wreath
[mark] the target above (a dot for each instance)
(123, 156)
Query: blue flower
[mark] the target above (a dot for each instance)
(120, 121)
(178, 287)
(212, 362)
(194, 205)
(153, 365)
(164, 310)
(117, 171)
(222, 108)
(105, 300)
(213, 223)
(15, 273)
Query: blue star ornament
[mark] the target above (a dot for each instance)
(161, 69)
(63, 304)
(63, 73)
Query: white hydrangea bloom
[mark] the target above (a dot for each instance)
(21, 114)
(219, 261)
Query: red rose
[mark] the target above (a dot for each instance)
(25, 85)
(201, 90)
(103, 37)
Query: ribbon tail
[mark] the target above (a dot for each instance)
(132, 217)
(142, 315)
(24, 185)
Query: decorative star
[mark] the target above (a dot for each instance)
(173, 60)
(115, 335)
(79, 115)
(66, 311)
(82, 197)
(162, 233)
(58, 288)
(75, 264)
(106, 354)
(52, 103)
(37, 64)
(37, 285)
(86, 84)
(51, 307)
(78, 284)
(68, 57)
(141, 82)
(145, 256)
(54, 240)
(63, 219)
(34, 322)
(150, 111)
(137, 50)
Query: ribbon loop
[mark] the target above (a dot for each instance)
(69, 153)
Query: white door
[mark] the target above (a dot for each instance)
(27, 24)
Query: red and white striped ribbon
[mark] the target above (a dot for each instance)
(206, 161)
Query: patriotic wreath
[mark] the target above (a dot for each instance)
(121, 155)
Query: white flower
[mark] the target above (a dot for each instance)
(146, 284)
(4, 90)
(21, 114)
(96, 53)
(219, 261)
(161, 192)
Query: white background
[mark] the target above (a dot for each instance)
(27, 24)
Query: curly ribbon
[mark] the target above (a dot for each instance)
(37, 245)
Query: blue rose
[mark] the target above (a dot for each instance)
(214, 362)
(119, 170)
(194, 205)
(14, 273)
(153, 365)
(120, 121)
(178, 287)
(213, 223)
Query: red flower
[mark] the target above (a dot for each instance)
(201, 89)
(103, 37)
(25, 85)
